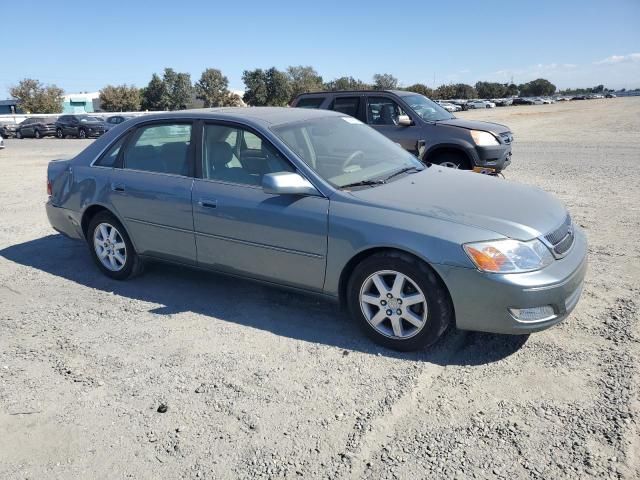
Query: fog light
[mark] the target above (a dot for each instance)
(535, 314)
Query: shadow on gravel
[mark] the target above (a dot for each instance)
(179, 289)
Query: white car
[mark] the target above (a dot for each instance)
(1, 142)
(450, 107)
(480, 104)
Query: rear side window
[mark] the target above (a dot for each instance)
(111, 155)
(160, 148)
(347, 105)
(311, 102)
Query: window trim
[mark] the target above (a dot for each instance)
(407, 111)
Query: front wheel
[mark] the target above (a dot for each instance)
(111, 247)
(82, 133)
(37, 134)
(399, 301)
(451, 160)
(18, 134)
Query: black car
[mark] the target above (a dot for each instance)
(422, 127)
(579, 97)
(114, 120)
(523, 101)
(80, 126)
(36, 127)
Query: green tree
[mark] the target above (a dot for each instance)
(178, 89)
(385, 81)
(212, 89)
(120, 98)
(444, 92)
(510, 89)
(266, 87)
(154, 95)
(420, 88)
(462, 90)
(346, 83)
(304, 79)
(490, 89)
(34, 97)
(536, 88)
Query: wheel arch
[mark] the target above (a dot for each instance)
(350, 266)
(92, 210)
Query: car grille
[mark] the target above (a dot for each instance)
(506, 137)
(561, 239)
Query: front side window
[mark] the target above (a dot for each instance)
(236, 155)
(160, 148)
(347, 105)
(343, 150)
(383, 111)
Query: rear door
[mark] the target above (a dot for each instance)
(152, 190)
(352, 105)
(382, 114)
(241, 229)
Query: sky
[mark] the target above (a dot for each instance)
(82, 47)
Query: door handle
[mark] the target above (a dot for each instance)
(208, 203)
(117, 187)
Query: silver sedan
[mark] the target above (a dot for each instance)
(318, 202)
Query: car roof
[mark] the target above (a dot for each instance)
(400, 93)
(257, 115)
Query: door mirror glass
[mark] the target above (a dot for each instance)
(287, 183)
(404, 120)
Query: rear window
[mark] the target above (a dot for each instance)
(311, 102)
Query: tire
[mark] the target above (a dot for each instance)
(382, 309)
(113, 253)
(457, 160)
(19, 135)
(36, 134)
(59, 133)
(82, 133)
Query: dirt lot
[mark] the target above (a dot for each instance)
(264, 383)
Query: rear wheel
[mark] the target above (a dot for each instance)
(59, 133)
(18, 134)
(82, 133)
(111, 247)
(37, 134)
(399, 301)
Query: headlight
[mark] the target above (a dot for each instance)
(509, 256)
(483, 139)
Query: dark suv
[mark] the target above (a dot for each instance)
(80, 126)
(36, 127)
(422, 127)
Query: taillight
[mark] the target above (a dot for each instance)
(49, 189)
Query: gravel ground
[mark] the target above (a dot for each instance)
(261, 383)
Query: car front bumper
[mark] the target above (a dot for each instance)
(482, 301)
(494, 158)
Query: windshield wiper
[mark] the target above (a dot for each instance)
(363, 183)
(403, 170)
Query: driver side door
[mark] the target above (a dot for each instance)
(382, 115)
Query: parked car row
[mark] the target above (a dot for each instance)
(79, 126)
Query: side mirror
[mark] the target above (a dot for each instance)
(404, 120)
(287, 183)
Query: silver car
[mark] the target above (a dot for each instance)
(317, 201)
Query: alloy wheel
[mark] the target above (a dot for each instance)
(449, 165)
(110, 247)
(393, 304)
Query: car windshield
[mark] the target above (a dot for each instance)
(87, 118)
(427, 109)
(345, 151)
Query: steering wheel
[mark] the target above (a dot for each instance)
(351, 158)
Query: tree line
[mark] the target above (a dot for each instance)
(174, 90)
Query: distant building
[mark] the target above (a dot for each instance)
(9, 107)
(81, 103)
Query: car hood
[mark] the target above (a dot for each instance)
(509, 209)
(475, 125)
